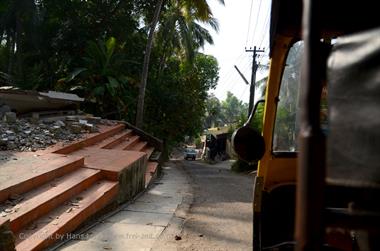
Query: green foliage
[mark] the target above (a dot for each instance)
(96, 49)
(176, 103)
(213, 115)
(45, 40)
(102, 78)
(207, 70)
(198, 142)
(230, 111)
(233, 108)
(242, 120)
(180, 32)
(257, 122)
(286, 126)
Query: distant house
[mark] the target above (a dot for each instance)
(217, 141)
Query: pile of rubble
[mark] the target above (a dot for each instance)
(32, 134)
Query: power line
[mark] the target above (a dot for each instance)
(266, 26)
(246, 66)
(237, 59)
(227, 77)
(241, 95)
(249, 22)
(257, 19)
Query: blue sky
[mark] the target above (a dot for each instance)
(240, 27)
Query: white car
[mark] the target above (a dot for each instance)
(190, 154)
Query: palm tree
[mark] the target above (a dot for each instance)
(201, 11)
(180, 30)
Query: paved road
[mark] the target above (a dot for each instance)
(220, 215)
(204, 207)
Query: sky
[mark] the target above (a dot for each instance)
(242, 24)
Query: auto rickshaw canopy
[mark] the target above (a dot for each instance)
(335, 18)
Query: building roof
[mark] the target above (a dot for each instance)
(219, 130)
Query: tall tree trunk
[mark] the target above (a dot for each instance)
(144, 75)
(11, 47)
(19, 46)
(162, 62)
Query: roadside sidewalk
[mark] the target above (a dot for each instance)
(139, 224)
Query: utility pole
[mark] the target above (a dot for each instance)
(241, 75)
(253, 77)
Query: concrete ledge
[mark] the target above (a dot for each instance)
(132, 180)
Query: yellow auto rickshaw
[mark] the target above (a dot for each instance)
(318, 180)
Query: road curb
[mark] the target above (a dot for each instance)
(175, 227)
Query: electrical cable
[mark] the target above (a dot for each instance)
(249, 22)
(257, 19)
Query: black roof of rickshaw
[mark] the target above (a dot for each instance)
(336, 18)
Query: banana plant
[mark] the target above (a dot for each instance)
(102, 78)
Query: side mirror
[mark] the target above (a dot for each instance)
(248, 144)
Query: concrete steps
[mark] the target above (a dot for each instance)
(127, 143)
(111, 142)
(32, 171)
(57, 224)
(42, 200)
(91, 140)
(139, 146)
(151, 172)
(111, 162)
(59, 191)
(148, 150)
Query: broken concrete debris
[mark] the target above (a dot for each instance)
(11, 205)
(23, 135)
(10, 117)
(4, 109)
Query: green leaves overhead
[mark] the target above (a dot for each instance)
(176, 104)
(182, 27)
(96, 49)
